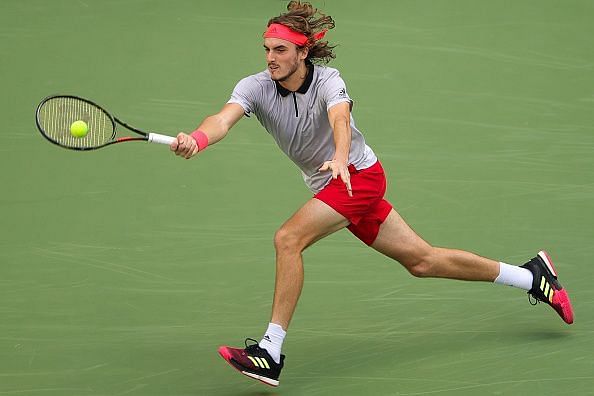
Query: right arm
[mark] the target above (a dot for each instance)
(215, 127)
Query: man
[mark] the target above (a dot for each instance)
(307, 110)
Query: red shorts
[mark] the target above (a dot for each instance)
(366, 209)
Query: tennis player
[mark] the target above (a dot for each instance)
(306, 109)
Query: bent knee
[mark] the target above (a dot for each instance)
(422, 269)
(421, 264)
(286, 239)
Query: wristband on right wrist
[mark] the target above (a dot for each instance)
(200, 138)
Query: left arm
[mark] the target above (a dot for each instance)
(339, 116)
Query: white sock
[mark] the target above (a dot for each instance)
(273, 340)
(515, 276)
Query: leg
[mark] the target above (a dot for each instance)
(263, 361)
(312, 222)
(398, 241)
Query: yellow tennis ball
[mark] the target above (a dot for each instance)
(79, 129)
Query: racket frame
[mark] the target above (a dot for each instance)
(143, 136)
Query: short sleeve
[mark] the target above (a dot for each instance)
(246, 94)
(334, 91)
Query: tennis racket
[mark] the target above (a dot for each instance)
(55, 114)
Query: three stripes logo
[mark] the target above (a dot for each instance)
(546, 289)
(259, 362)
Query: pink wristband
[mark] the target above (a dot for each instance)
(200, 138)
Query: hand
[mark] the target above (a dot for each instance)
(185, 146)
(339, 169)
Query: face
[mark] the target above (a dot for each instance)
(283, 58)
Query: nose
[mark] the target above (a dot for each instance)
(269, 56)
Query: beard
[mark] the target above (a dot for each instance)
(292, 69)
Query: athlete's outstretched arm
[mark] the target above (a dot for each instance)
(214, 128)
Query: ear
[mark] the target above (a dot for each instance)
(303, 52)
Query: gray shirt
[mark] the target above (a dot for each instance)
(298, 121)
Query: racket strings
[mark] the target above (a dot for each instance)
(56, 115)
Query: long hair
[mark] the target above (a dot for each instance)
(304, 18)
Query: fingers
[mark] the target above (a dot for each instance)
(325, 167)
(346, 179)
(339, 170)
(185, 146)
(330, 166)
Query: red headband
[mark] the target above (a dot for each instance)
(276, 30)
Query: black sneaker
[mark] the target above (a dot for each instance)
(546, 287)
(253, 361)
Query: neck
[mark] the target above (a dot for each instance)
(294, 81)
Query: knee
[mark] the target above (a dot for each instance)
(287, 240)
(421, 264)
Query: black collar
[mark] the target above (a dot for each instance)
(303, 88)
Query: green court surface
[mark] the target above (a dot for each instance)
(122, 270)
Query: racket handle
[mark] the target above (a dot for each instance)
(161, 139)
